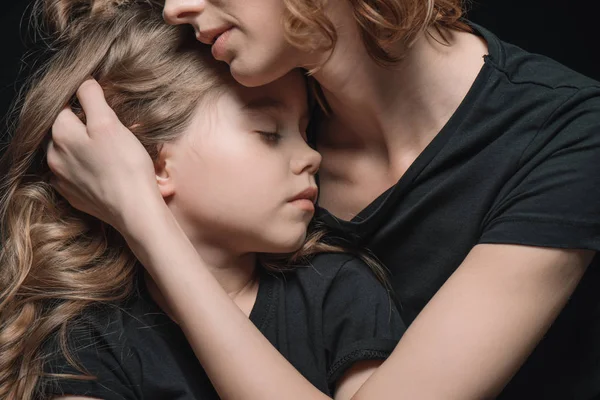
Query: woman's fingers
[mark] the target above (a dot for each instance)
(57, 185)
(67, 128)
(100, 118)
(59, 178)
(67, 132)
(70, 193)
(53, 158)
(100, 167)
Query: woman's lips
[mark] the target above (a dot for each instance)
(219, 46)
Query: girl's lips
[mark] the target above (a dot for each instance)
(304, 204)
(309, 193)
(306, 199)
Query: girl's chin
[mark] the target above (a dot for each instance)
(289, 246)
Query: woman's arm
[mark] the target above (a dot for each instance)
(480, 327)
(467, 343)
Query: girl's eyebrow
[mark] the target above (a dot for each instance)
(265, 103)
(268, 103)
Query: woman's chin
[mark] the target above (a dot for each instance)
(246, 79)
(252, 76)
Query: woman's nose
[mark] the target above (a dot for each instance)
(177, 12)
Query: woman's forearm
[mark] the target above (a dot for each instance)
(481, 326)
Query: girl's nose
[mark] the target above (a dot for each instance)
(177, 12)
(309, 161)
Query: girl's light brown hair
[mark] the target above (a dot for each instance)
(55, 262)
(382, 23)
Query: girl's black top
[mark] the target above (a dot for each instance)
(323, 318)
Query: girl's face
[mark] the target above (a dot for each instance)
(246, 34)
(242, 176)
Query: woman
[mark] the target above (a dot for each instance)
(465, 163)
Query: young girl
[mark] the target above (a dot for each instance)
(78, 317)
(468, 165)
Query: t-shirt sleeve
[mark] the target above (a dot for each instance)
(100, 352)
(360, 320)
(553, 197)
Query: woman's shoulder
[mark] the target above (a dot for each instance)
(522, 67)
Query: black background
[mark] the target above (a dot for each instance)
(568, 31)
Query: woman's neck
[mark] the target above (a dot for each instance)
(386, 109)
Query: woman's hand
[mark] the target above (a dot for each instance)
(101, 169)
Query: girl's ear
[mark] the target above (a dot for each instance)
(162, 170)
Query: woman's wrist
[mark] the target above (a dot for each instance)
(148, 228)
(159, 243)
(140, 218)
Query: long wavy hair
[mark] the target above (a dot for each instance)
(55, 261)
(382, 23)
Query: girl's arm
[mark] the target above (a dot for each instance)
(466, 344)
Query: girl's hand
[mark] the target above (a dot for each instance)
(101, 169)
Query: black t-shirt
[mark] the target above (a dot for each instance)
(323, 318)
(518, 163)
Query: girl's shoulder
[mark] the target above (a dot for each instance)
(332, 283)
(344, 270)
(124, 318)
(333, 311)
(103, 328)
(108, 342)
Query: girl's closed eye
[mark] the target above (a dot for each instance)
(270, 137)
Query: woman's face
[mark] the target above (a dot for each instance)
(238, 172)
(246, 34)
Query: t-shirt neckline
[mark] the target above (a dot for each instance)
(368, 218)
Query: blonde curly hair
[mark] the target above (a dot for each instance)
(381, 23)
